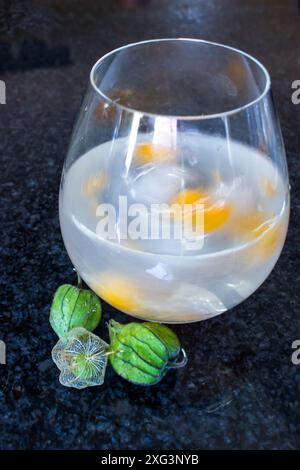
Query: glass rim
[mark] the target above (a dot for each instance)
(223, 114)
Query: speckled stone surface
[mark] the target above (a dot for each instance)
(240, 389)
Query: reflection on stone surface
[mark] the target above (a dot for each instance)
(133, 3)
(32, 53)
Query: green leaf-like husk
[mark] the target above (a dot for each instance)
(141, 354)
(73, 307)
(167, 336)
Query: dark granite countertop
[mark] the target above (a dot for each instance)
(240, 389)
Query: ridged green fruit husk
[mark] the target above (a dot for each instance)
(142, 352)
(167, 336)
(73, 307)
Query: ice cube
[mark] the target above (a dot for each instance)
(196, 301)
(156, 184)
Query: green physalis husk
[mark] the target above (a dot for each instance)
(74, 307)
(143, 352)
